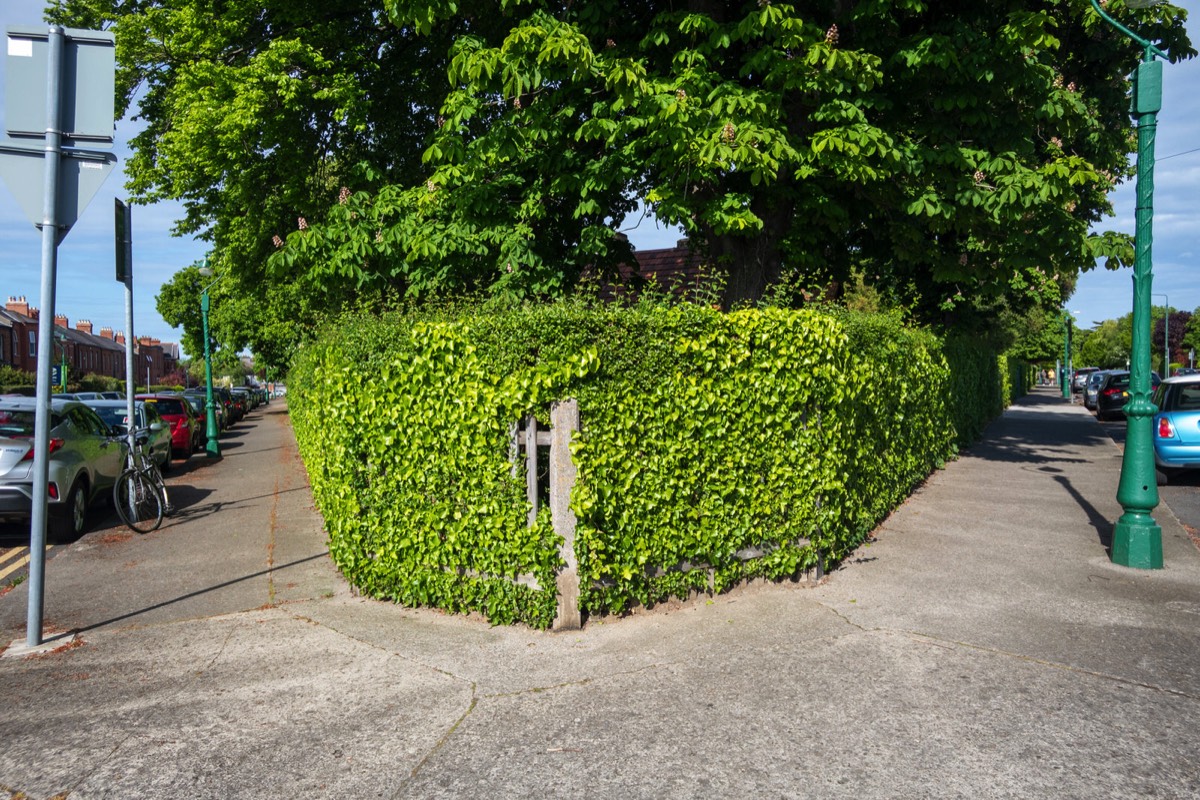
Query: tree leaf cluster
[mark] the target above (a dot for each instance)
(360, 150)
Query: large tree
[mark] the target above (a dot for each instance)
(948, 150)
(253, 114)
(951, 153)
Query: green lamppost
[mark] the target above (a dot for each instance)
(1137, 539)
(61, 341)
(1066, 370)
(213, 448)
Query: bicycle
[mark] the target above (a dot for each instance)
(139, 494)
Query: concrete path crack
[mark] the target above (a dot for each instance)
(1057, 665)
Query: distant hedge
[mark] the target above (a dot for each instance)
(714, 447)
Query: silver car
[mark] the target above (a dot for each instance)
(83, 465)
(1091, 389)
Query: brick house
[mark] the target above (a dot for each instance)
(24, 323)
(6, 340)
(87, 352)
(679, 270)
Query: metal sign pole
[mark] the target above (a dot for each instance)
(41, 440)
(127, 244)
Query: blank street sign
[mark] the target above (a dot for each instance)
(80, 176)
(89, 62)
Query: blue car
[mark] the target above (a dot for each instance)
(1177, 426)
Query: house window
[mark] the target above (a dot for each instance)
(33, 344)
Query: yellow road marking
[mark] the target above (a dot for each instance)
(22, 561)
(13, 553)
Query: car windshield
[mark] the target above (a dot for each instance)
(168, 405)
(116, 416)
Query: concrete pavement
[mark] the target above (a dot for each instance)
(982, 645)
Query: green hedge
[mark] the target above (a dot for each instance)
(707, 439)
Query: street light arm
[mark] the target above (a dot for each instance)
(206, 272)
(1144, 43)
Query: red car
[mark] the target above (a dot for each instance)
(185, 425)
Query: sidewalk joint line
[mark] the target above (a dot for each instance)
(1052, 664)
(438, 744)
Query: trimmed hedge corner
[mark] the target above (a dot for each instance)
(714, 447)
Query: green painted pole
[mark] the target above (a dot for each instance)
(1066, 370)
(1137, 539)
(213, 448)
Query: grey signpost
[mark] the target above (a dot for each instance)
(53, 185)
(123, 227)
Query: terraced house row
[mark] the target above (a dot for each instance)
(87, 352)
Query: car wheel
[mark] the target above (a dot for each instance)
(68, 521)
(165, 466)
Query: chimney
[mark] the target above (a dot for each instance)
(61, 321)
(17, 305)
(84, 326)
(120, 337)
(106, 333)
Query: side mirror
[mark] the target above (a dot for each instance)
(156, 426)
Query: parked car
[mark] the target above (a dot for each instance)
(178, 413)
(198, 403)
(1080, 378)
(235, 411)
(237, 404)
(1092, 388)
(1113, 394)
(247, 396)
(221, 407)
(114, 413)
(1177, 426)
(112, 395)
(84, 462)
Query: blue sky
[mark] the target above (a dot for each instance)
(88, 290)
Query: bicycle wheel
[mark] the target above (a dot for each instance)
(138, 502)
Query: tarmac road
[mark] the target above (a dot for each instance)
(982, 645)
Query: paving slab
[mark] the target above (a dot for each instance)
(980, 645)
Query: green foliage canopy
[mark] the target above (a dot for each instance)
(362, 147)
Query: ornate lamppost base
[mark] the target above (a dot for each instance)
(1137, 542)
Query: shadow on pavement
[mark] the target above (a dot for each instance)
(1038, 429)
(1101, 524)
(190, 595)
(188, 504)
